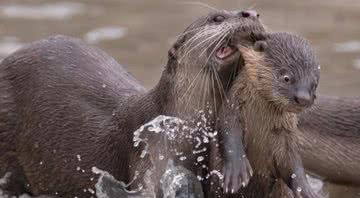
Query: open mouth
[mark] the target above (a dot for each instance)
(225, 51)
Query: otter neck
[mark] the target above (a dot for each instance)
(260, 115)
(146, 106)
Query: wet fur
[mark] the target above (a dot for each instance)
(62, 110)
(63, 98)
(329, 142)
(268, 130)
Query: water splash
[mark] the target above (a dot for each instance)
(175, 141)
(179, 182)
(108, 187)
(167, 126)
(315, 183)
(175, 182)
(5, 178)
(173, 133)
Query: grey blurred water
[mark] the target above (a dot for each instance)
(139, 33)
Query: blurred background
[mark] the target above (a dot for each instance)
(138, 34)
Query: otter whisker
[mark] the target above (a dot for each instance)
(198, 35)
(224, 31)
(188, 101)
(199, 29)
(207, 30)
(203, 103)
(232, 76)
(197, 45)
(221, 87)
(219, 41)
(199, 4)
(195, 38)
(201, 91)
(189, 31)
(233, 72)
(217, 78)
(214, 91)
(192, 83)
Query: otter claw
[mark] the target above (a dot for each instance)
(237, 174)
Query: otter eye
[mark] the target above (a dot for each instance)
(219, 19)
(286, 78)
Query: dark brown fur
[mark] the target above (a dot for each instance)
(329, 142)
(62, 98)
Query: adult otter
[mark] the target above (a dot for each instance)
(68, 107)
(329, 142)
(278, 81)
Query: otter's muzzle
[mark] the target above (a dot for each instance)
(303, 98)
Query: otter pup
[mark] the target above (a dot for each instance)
(278, 80)
(68, 107)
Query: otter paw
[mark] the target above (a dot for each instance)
(237, 174)
(306, 194)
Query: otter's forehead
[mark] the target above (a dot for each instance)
(287, 51)
(231, 17)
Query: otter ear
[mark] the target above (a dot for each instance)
(172, 52)
(260, 46)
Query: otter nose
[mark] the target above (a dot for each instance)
(303, 98)
(249, 13)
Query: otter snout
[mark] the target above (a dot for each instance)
(303, 98)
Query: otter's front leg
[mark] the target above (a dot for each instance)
(291, 170)
(237, 170)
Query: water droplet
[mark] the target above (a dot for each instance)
(298, 189)
(182, 158)
(200, 159)
(91, 191)
(293, 175)
(78, 157)
(161, 157)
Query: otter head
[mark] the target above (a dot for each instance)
(284, 69)
(205, 59)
